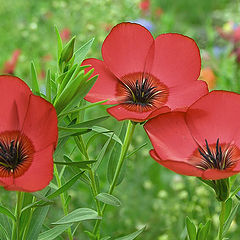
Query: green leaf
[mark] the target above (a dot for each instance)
(54, 232)
(235, 192)
(108, 199)
(78, 109)
(232, 215)
(59, 41)
(3, 232)
(81, 53)
(37, 221)
(132, 235)
(66, 186)
(80, 214)
(34, 81)
(113, 159)
(105, 238)
(107, 133)
(136, 150)
(67, 51)
(191, 228)
(67, 132)
(203, 231)
(102, 154)
(48, 86)
(228, 209)
(7, 212)
(81, 164)
(89, 123)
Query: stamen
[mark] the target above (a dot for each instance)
(216, 157)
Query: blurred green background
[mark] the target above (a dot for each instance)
(150, 195)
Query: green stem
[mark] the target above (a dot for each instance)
(63, 200)
(221, 220)
(28, 222)
(16, 230)
(81, 145)
(125, 146)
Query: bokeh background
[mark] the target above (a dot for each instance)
(150, 195)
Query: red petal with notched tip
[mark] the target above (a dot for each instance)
(40, 124)
(177, 166)
(125, 49)
(171, 137)
(105, 86)
(121, 112)
(176, 59)
(181, 97)
(14, 100)
(39, 174)
(214, 116)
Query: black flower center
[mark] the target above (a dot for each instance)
(12, 155)
(16, 153)
(216, 157)
(141, 92)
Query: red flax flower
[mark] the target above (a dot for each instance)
(143, 76)
(202, 142)
(28, 137)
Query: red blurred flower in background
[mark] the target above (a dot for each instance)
(28, 137)
(202, 142)
(144, 5)
(65, 34)
(10, 65)
(143, 76)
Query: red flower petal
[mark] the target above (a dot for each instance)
(14, 102)
(39, 174)
(125, 49)
(171, 137)
(177, 166)
(41, 123)
(181, 97)
(120, 112)
(106, 84)
(176, 59)
(215, 174)
(214, 116)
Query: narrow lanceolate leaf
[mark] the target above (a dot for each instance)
(81, 53)
(38, 218)
(108, 199)
(66, 186)
(82, 164)
(107, 133)
(59, 41)
(136, 150)
(232, 215)
(132, 235)
(54, 232)
(78, 109)
(67, 132)
(78, 215)
(89, 123)
(48, 86)
(102, 154)
(228, 209)
(34, 81)
(203, 231)
(3, 233)
(7, 212)
(191, 228)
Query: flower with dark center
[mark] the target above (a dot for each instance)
(146, 77)
(28, 137)
(204, 141)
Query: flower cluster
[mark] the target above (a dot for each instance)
(193, 132)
